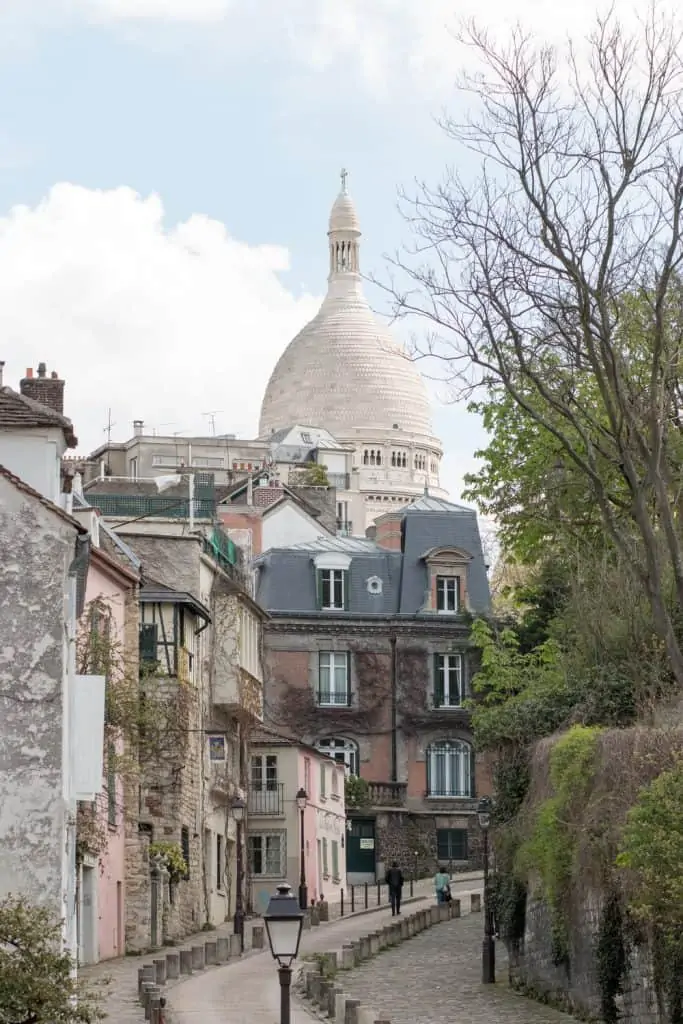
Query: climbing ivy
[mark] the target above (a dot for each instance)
(612, 957)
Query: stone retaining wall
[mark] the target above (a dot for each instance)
(321, 981)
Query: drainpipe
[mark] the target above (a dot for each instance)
(394, 673)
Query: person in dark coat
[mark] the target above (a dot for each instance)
(394, 880)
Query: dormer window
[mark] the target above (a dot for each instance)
(448, 595)
(333, 589)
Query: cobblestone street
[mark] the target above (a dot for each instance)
(435, 978)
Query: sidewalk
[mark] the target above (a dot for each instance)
(248, 991)
(120, 998)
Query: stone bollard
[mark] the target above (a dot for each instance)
(332, 997)
(172, 966)
(340, 1006)
(444, 911)
(324, 911)
(356, 952)
(404, 929)
(210, 950)
(315, 916)
(235, 945)
(146, 985)
(257, 936)
(351, 1011)
(434, 915)
(197, 958)
(307, 919)
(146, 973)
(155, 1010)
(365, 947)
(347, 957)
(455, 908)
(222, 949)
(475, 902)
(152, 991)
(160, 969)
(185, 956)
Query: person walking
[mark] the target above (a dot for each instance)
(394, 880)
(442, 885)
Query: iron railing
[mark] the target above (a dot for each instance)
(160, 506)
(268, 802)
(334, 698)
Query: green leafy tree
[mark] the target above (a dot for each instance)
(36, 980)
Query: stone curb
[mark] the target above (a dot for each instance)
(182, 963)
(319, 985)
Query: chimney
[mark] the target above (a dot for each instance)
(48, 391)
(388, 533)
(2, 367)
(137, 427)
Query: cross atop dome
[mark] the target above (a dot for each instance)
(343, 175)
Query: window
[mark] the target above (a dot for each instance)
(449, 690)
(267, 854)
(332, 589)
(307, 775)
(133, 469)
(219, 862)
(342, 751)
(148, 642)
(326, 870)
(208, 462)
(450, 769)
(451, 844)
(335, 860)
(264, 772)
(306, 438)
(334, 689)
(335, 784)
(448, 594)
(217, 750)
(185, 847)
(323, 782)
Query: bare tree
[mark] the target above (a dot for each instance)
(555, 275)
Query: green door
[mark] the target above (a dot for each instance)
(360, 850)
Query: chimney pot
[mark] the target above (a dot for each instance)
(54, 375)
(48, 391)
(29, 372)
(137, 428)
(42, 369)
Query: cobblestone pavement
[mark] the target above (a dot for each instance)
(435, 978)
(120, 995)
(247, 992)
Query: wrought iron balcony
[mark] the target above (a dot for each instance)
(268, 802)
(334, 698)
(339, 480)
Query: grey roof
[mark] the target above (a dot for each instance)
(153, 592)
(17, 410)
(80, 501)
(286, 580)
(427, 503)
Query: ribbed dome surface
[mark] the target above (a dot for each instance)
(343, 371)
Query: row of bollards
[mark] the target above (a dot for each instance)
(358, 897)
(152, 977)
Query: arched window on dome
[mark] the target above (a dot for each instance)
(341, 750)
(379, 458)
(450, 769)
(372, 456)
(405, 460)
(366, 457)
(393, 458)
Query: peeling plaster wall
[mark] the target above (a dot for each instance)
(36, 549)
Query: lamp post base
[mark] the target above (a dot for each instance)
(303, 897)
(238, 927)
(285, 975)
(488, 961)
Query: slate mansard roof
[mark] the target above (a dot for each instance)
(286, 576)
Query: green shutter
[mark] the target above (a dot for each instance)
(346, 575)
(319, 588)
(148, 641)
(438, 682)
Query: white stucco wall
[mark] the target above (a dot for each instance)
(34, 456)
(287, 525)
(36, 549)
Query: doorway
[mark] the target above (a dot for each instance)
(360, 851)
(87, 917)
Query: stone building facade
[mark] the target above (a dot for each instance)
(369, 660)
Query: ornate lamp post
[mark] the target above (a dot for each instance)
(237, 808)
(284, 921)
(301, 801)
(488, 951)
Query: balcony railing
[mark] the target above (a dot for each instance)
(344, 529)
(334, 698)
(387, 794)
(159, 506)
(268, 802)
(339, 480)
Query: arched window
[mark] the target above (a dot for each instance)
(366, 457)
(450, 769)
(342, 750)
(393, 458)
(379, 458)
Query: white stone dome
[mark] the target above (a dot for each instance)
(344, 371)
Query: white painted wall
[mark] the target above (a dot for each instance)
(287, 524)
(34, 456)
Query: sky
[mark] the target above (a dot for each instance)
(166, 173)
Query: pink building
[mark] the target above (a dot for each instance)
(110, 594)
(280, 768)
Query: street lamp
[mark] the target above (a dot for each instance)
(237, 808)
(488, 952)
(301, 801)
(284, 921)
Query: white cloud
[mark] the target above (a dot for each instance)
(160, 325)
(197, 11)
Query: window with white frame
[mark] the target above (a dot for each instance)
(449, 688)
(326, 870)
(332, 586)
(342, 751)
(334, 688)
(450, 769)
(323, 782)
(335, 860)
(448, 594)
(268, 854)
(264, 772)
(335, 784)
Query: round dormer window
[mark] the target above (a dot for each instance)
(374, 585)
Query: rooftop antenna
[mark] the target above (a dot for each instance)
(211, 416)
(109, 426)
